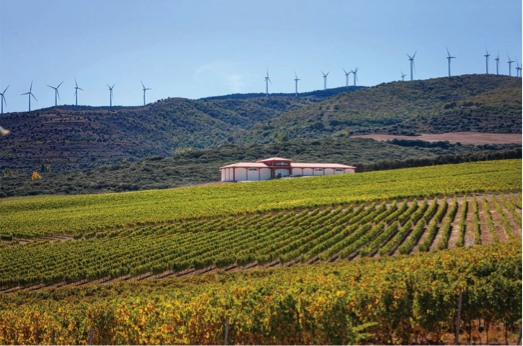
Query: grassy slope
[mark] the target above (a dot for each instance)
(488, 103)
(25, 216)
(84, 136)
(202, 166)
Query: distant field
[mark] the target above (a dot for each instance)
(54, 215)
(473, 138)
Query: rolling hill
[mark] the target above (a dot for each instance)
(76, 137)
(478, 103)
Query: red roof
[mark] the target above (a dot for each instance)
(274, 159)
(260, 164)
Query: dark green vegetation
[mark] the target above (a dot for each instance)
(80, 137)
(478, 103)
(202, 166)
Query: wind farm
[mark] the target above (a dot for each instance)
(218, 197)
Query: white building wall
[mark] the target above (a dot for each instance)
(222, 173)
(241, 174)
(297, 171)
(308, 171)
(329, 171)
(265, 174)
(253, 175)
(317, 172)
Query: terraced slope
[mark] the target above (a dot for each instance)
(375, 229)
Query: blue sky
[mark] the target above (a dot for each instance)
(202, 48)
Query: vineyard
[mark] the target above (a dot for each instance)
(391, 300)
(32, 217)
(261, 240)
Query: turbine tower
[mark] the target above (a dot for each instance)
(296, 79)
(509, 65)
(449, 57)
(111, 94)
(411, 59)
(325, 80)
(486, 59)
(518, 69)
(30, 93)
(144, 90)
(267, 80)
(355, 72)
(497, 65)
(403, 76)
(347, 74)
(76, 88)
(2, 101)
(56, 93)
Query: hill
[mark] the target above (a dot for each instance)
(480, 103)
(202, 166)
(76, 137)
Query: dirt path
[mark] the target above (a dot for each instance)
(454, 233)
(474, 138)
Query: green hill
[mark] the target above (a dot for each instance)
(202, 166)
(481, 103)
(76, 137)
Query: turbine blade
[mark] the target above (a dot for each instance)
(24, 94)
(416, 52)
(81, 89)
(3, 98)
(59, 85)
(58, 93)
(33, 97)
(5, 89)
(344, 70)
(113, 86)
(31, 88)
(50, 86)
(108, 86)
(75, 82)
(142, 84)
(408, 56)
(447, 51)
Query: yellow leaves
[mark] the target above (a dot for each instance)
(36, 176)
(340, 294)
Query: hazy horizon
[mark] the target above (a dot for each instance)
(196, 49)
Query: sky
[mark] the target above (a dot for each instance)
(200, 48)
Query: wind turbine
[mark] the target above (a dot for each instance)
(296, 79)
(144, 90)
(30, 93)
(56, 93)
(497, 65)
(2, 101)
(403, 76)
(411, 59)
(486, 59)
(111, 94)
(76, 88)
(347, 74)
(267, 80)
(355, 72)
(449, 57)
(325, 80)
(509, 65)
(518, 69)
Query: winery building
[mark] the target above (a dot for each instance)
(277, 167)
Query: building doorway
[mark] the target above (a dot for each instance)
(280, 173)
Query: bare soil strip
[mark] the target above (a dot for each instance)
(474, 138)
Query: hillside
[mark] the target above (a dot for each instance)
(202, 166)
(76, 137)
(481, 103)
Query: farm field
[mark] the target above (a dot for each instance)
(397, 299)
(284, 238)
(30, 217)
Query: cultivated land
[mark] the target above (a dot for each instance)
(376, 257)
(55, 215)
(473, 138)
